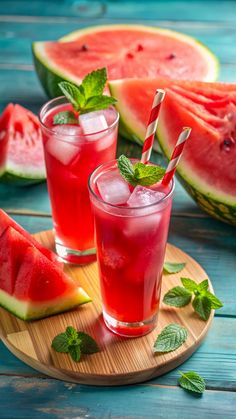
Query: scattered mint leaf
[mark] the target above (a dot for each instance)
(215, 302)
(71, 332)
(171, 338)
(192, 381)
(75, 352)
(148, 175)
(202, 306)
(73, 93)
(65, 117)
(59, 343)
(139, 173)
(173, 268)
(94, 83)
(96, 103)
(203, 286)
(88, 344)
(189, 284)
(177, 297)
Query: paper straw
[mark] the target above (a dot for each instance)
(176, 155)
(152, 125)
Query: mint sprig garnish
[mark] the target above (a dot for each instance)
(75, 343)
(192, 381)
(65, 117)
(173, 268)
(170, 338)
(139, 173)
(87, 97)
(203, 302)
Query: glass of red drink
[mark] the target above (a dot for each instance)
(131, 234)
(70, 157)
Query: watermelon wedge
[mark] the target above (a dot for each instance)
(207, 168)
(31, 286)
(21, 148)
(126, 51)
(6, 221)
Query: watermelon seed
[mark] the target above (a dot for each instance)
(84, 47)
(171, 56)
(129, 55)
(227, 144)
(140, 48)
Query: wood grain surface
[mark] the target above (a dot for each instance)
(120, 361)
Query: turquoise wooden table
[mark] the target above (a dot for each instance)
(25, 393)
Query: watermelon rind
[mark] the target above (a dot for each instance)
(50, 74)
(18, 179)
(30, 310)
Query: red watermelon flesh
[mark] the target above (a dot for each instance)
(4, 123)
(39, 280)
(13, 247)
(6, 221)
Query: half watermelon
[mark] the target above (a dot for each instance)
(207, 168)
(126, 51)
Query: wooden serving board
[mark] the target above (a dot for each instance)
(121, 360)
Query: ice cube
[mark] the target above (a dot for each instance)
(113, 188)
(64, 151)
(68, 131)
(142, 196)
(93, 122)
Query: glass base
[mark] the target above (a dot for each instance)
(130, 330)
(77, 257)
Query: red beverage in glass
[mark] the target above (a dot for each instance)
(70, 157)
(131, 240)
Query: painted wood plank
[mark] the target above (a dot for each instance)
(39, 398)
(176, 10)
(16, 38)
(215, 360)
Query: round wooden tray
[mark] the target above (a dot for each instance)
(121, 361)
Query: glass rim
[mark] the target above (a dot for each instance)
(114, 206)
(63, 98)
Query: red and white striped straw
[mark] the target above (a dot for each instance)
(176, 155)
(152, 125)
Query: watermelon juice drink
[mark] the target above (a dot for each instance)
(70, 157)
(131, 233)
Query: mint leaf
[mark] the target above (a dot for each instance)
(202, 306)
(203, 286)
(71, 332)
(173, 268)
(94, 83)
(126, 170)
(177, 297)
(189, 284)
(171, 338)
(75, 352)
(59, 343)
(88, 344)
(215, 302)
(73, 93)
(96, 103)
(192, 381)
(148, 175)
(65, 117)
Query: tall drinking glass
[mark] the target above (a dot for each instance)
(131, 242)
(70, 158)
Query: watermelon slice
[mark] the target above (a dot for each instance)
(126, 51)
(207, 168)
(21, 148)
(34, 287)
(6, 221)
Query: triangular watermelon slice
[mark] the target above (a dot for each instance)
(207, 168)
(41, 289)
(6, 221)
(13, 247)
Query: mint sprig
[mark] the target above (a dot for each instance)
(75, 343)
(192, 381)
(139, 173)
(170, 338)
(87, 97)
(173, 268)
(203, 302)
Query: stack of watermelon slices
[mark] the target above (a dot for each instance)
(32, 282)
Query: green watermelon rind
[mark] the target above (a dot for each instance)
(15, 178)
(38, 310)
(50, 75)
